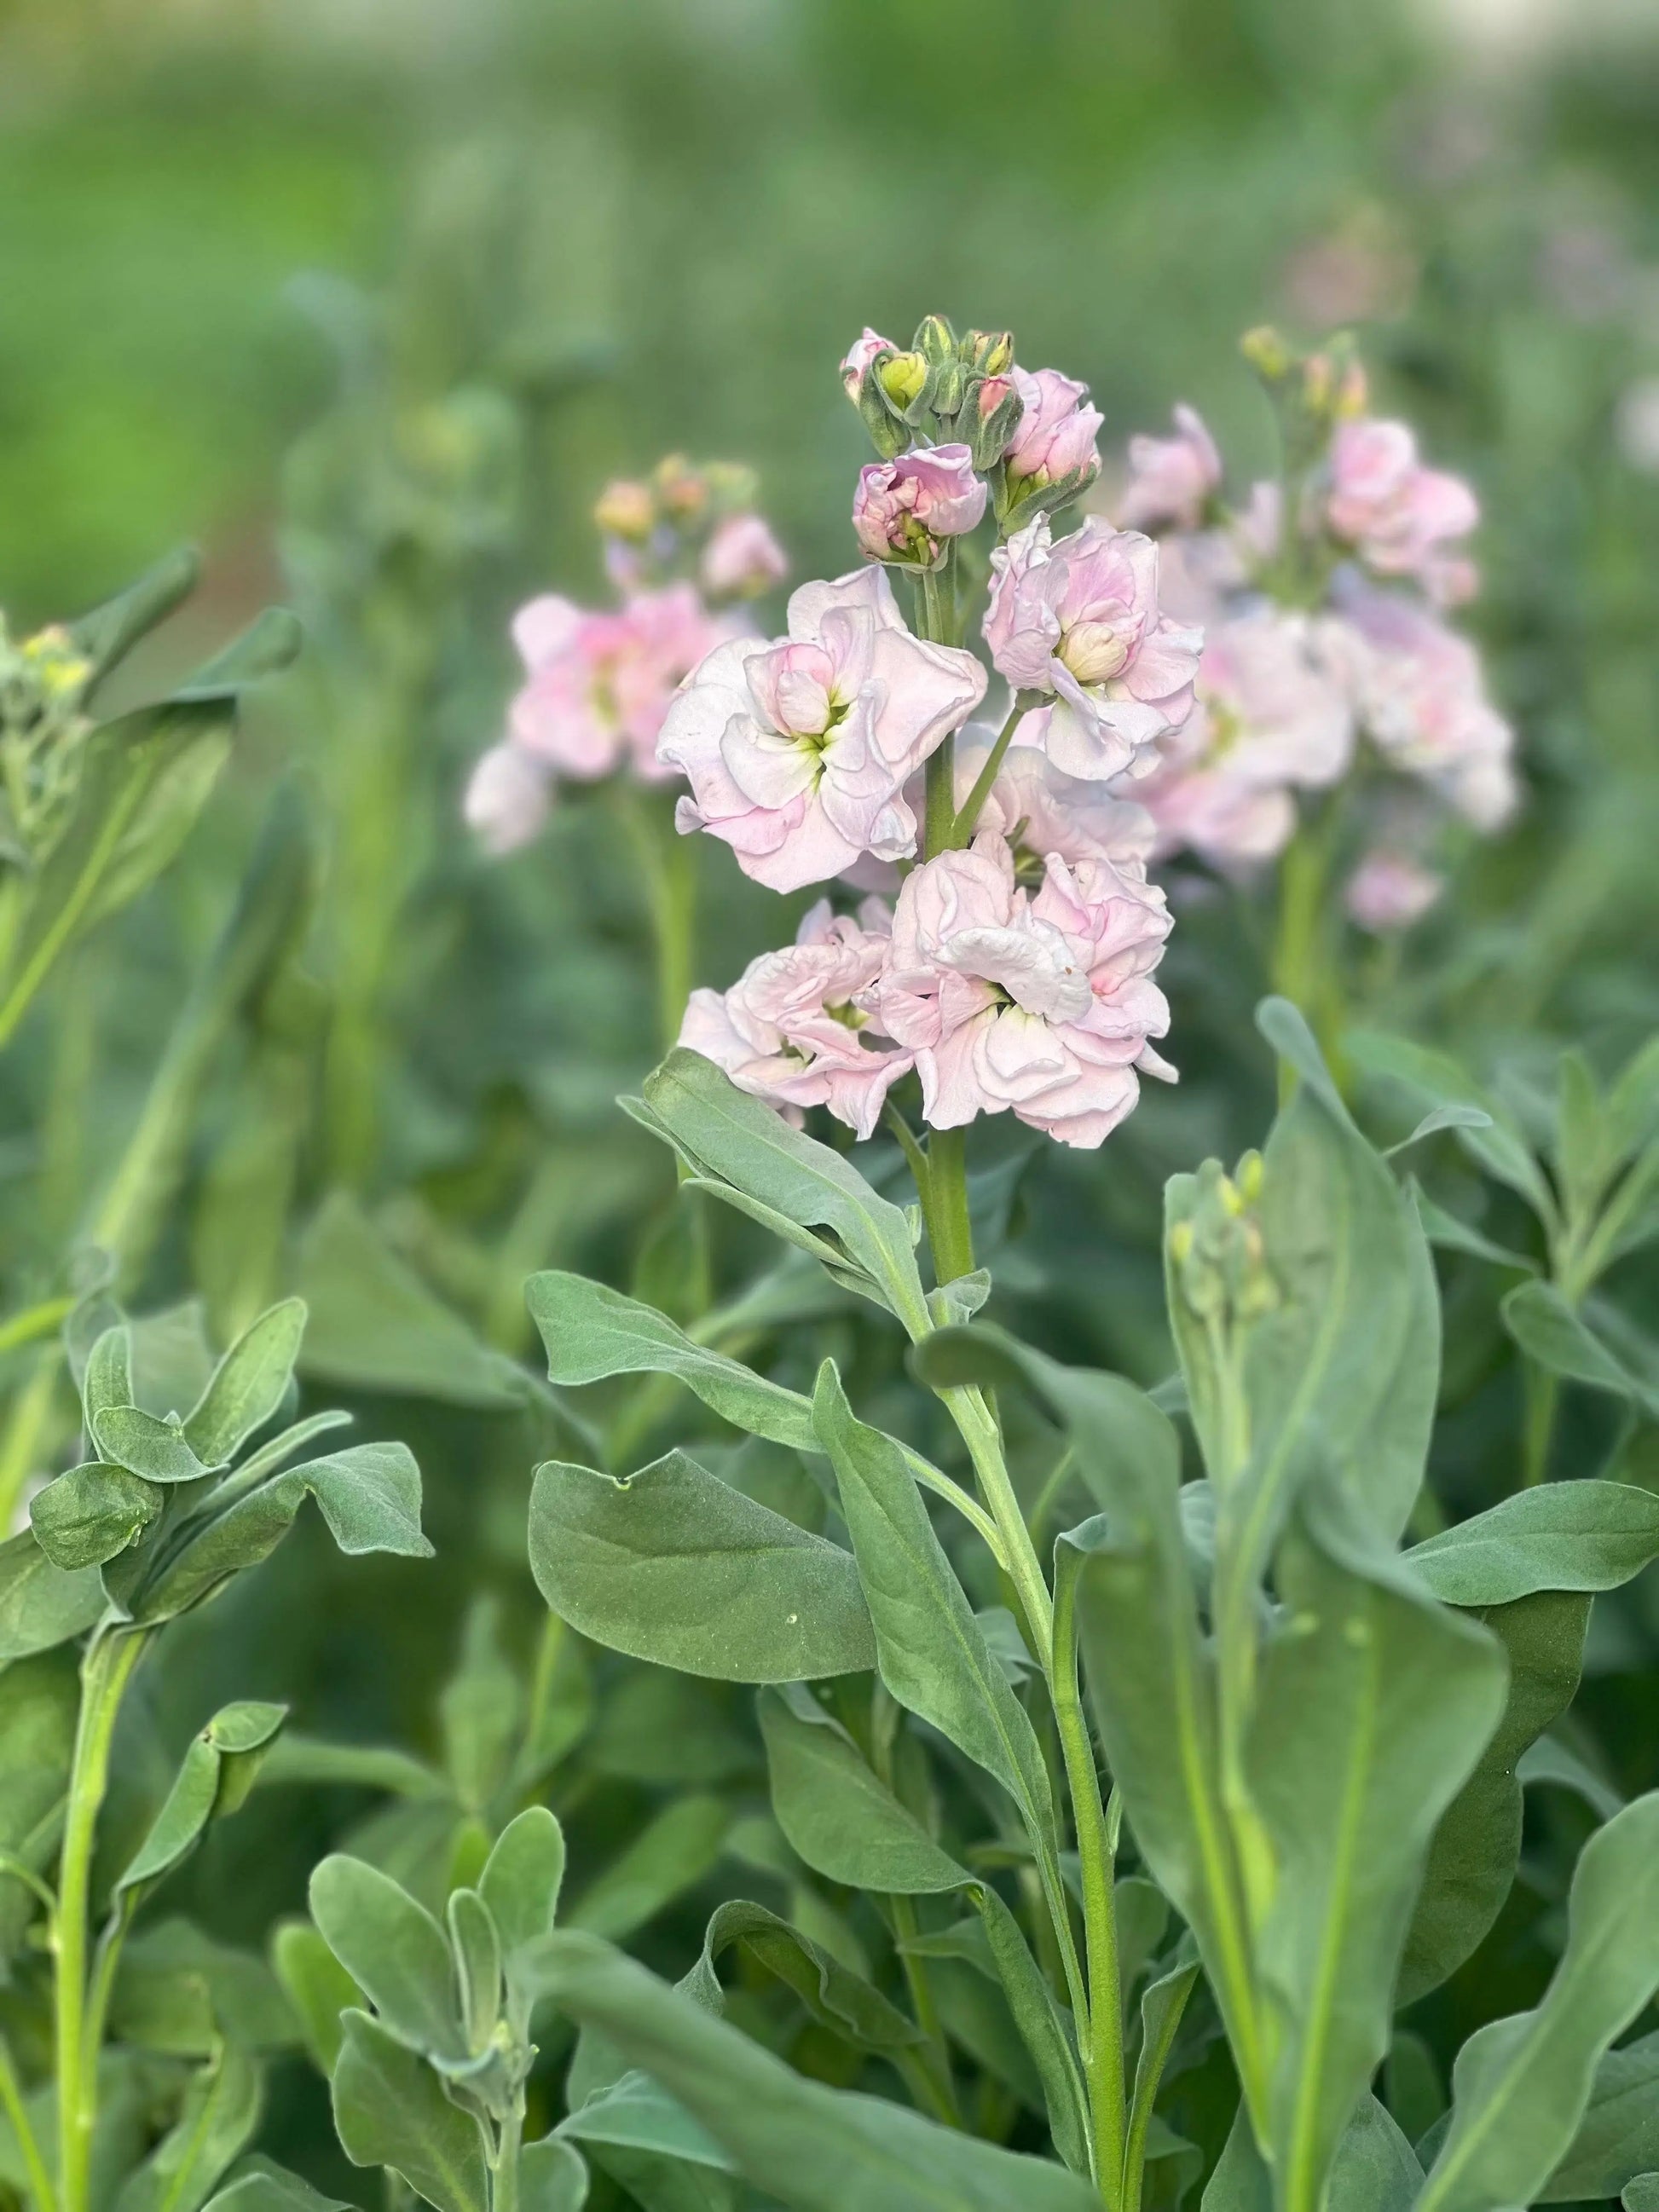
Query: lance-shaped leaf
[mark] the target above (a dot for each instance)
(248, 1386)
(1477, 1846)
(634, 2114)
(1373, 1706)
(592, 1331)
(1585, 1535)
(1521, 2086)
(1562, 1341)
(393, 1950)
(107, 1378)
(109, 632)
(737, 1142)
(812, 2149)
(318, 1987)
(221, 2112)
(671, 1854)
(838, 1815)
(1618, 2138)
(214, 1778)
(1435, 1078)
(391, 2109)
(674, 1565)
(259, 2184)
(522, 1877)
(91, 1513)
(41, 1605)
(837, 1997)
(368, 1494)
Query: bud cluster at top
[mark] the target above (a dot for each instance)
(43, 680)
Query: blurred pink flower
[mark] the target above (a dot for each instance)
(1041, 1006)
(858, 357)
(1422, 697)
(904, 506)
(742, 559)
(1080, 618)
(1274, 714)
(508, 797)
(1172, 480)
(798, 1030)
(599, 683)
(1040, 811)
(798, 752)
(1389, 892)
(1055, 435)
(1400, 516)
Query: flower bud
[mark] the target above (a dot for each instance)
(992, 419)
(857, 361)
(683, 490)
(903, 507)
(626, 509)
(1267, 353)
(992, 352)
(903, 379)
(1218, 1258)
(935, 341)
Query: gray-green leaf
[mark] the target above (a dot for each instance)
(393, 1950)
(389, 2110)
(91, 1513)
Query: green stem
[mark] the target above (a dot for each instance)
(1103, 2043)
(945, 1206)
(967, 814)
(17, 2117)
(1303, 970)
(36, 1321)
(934, 2069)
(504, 2167)
(668, 862)
(1542, 1391)
(106, 1670)
(22, 1449)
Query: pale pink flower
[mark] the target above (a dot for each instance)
(798, 752)
(858, 357)
(1400, 516)
(798, 1028)
(1054, 437)
(1389, 891)
(1080, 619)
(742, 559)
(1041, 1006)
(904, 506)
(508, 796)
(1172, 480)
(1040, 811)
(599, 683)
(1274, 714)
(1422, 697)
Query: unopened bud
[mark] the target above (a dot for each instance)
(903, 378)
(1248, 1175)
(683, 490)
(1267, 353)
(935, 340)
(626, 509)
(990, 351)
(992, 419)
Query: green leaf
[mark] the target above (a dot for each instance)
(1642, 2195)
(91, 1513)
(369, 1495)
(477, 1949)
(41, 1605)
(155, 1449)
(305, 1759)
(1373, 1706)
(389, 2110)
(1562, 1341)
(258, 2184)
(316, 1986)
(1584, 1158)
(1451, 1234)
(1584, 1535)
(220, 2114)
(1634, 1104)
(931, 1652)
(215, 1777)
(552, 2177)
(107, 1378)
(178, 1990)
(1047, 2036)
(591, 1333)
(835, 1997)
(1618, 2138)
(39, 1700)
(737, 1142)
(634, 2114)
(671, 1854)
(1521, 2085)
(248, 1385)
(674, 1565)
(481, 1710)
(522, 1877)
(108, 632)
(809, 2146)
(1477, 1846)
(393, 1950)
(1436, 1079)
(837, 1815)
(1375, 2169)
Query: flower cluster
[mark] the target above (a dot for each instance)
(43, 730)
(683, 551)
(1322, 601)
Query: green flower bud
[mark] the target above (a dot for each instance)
(903, 378)
(991, 352)
(935, 340)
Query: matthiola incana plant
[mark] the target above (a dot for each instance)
(1134, 1759)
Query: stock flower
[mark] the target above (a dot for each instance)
(1172, 480)
(1039, 811)
(1389, 892)
(858, 358)
(1273, 714)
(798, 752)
(1041, 1004)
(508, 795)
(1080, 619)
(742, 559)
(600, 683)
(796, 1028)
(1400, 516)
(1423, 700)
(904, 506)
(1054, 437)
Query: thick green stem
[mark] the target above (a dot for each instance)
(1302, 968)
(105, 1671)
(1102, 2044)
(668, 862)
(504, 2167)
(945, 1206)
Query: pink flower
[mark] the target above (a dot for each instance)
(1422, 697)
(1041, 1006)
(798, 752)
(1080, 619)
(742, 559)
(858, 357)
(1040, 811)
(1399, 515)
(1172, 480)
(600, 683)
(903, 507)
(508, 798)
(1054, 437)
(798, 1030)
(1389, 892)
